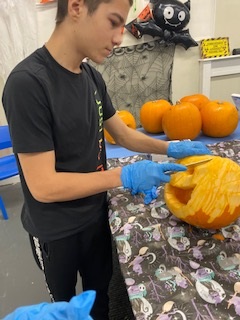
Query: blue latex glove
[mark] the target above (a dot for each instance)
(78, 308)
(150, 195)
(184, 149)
(145, 176)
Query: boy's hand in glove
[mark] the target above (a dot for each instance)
(184, 149)
(145, 176)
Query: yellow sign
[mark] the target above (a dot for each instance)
(214, 48)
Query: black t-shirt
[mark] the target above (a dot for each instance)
(50, 108)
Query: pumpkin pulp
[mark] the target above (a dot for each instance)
(208, 195)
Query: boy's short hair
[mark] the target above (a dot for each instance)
(91, 4)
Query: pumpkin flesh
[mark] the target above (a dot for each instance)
(208, 195)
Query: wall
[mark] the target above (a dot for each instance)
(46, 21)
(185, 68)
(45, 25)
(227, 25)
(2, 115)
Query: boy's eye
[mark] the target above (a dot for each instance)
(114, 23)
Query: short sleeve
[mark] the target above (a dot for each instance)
(27, 110)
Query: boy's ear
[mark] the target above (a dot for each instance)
(75, 7)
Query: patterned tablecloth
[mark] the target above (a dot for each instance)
(172, 270)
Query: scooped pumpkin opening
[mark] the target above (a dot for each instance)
(209, 197)
(182, 195)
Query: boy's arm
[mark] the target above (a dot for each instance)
(48, 185)
(133, 139)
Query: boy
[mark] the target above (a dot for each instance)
(56, 107)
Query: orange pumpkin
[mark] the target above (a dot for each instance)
(219, 118)
(151, 114)
(127, 118)
(206, 195)
(198, 99)
(182, 121)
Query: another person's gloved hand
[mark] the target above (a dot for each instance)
(184, 149)
(78, 308)
(145, 176)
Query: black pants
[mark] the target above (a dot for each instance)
(89, 253)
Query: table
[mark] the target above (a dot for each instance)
(114, 151)
(174, 271)
(5, 140)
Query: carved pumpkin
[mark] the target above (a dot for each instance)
(198, 99)
(206, 195)
(219, 118)
(127, 118)
(151, 114)
(182, 121)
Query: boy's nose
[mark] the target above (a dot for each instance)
(118, 37)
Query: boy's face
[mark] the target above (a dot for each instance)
(97, 34)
